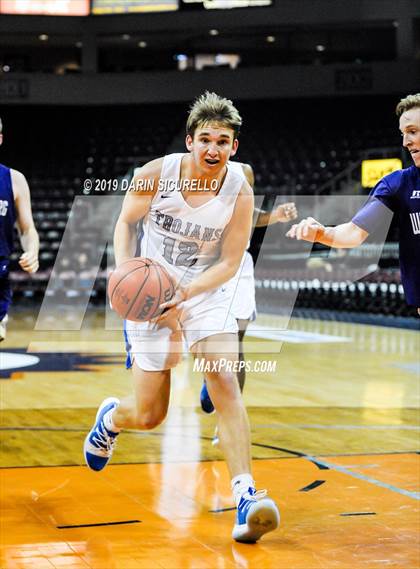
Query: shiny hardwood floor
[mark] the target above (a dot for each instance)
(334, 436)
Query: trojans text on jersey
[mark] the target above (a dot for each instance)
(187, 228)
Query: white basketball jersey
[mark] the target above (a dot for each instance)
(237, 167)
(187, 240)
(246, 268)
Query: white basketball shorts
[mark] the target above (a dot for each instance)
(244, 306)
(202, 316)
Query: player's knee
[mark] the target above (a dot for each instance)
(149, 420)
(226, 385)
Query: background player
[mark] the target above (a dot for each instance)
(398, 192)
(15, 207)
(200, 238)
(243, 306)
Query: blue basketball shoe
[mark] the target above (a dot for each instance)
(206, 403)
(100, 442)
(255, 516)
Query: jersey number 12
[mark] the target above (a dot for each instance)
(187, 250)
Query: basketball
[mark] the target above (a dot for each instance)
(138, 287)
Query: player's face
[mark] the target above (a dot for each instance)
(410, 130)
(212, 146)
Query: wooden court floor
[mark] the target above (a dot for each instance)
(335, 436)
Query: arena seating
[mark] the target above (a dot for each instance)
(295, 148)
(378, 293)
(296, 151)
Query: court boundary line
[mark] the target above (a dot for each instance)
(140, 463)
(365, 478)
(99, 524)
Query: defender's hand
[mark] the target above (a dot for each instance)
(286, 212)
(308, 229)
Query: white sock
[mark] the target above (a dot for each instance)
(109, 423)
(240, 485)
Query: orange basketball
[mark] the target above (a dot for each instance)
(138, 287)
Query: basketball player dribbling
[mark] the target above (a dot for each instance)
(199, 234)
(243, 305)
(15, 207)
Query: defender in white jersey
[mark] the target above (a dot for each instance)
(199, 234)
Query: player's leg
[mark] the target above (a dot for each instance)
(3, 324)
(242, 325)
(205, 399)
(5, 297)
(145, 410)
(224, 390)
(256, 514)
(243, 308)
(147, 407)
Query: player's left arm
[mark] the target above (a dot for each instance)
(28, 235)
(249, 174)
(282, 214)
(234, 242)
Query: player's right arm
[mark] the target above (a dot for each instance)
(28, 234)
(344, 236)
(135, 207)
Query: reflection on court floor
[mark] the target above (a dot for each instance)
(334, 437)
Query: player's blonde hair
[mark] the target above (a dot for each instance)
(409, 102)
(210, 108)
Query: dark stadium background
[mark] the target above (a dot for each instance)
(315, 80)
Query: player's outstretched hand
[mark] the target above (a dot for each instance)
(308, 229)
(29, 262)
(286, 212)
